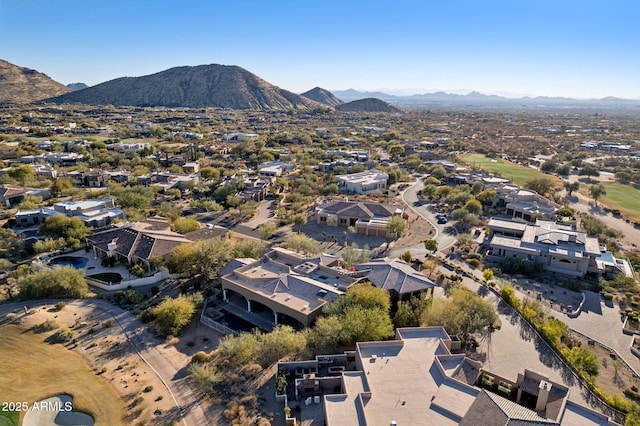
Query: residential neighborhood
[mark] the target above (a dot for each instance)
(368, 282)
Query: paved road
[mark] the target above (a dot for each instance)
(264, 212)
(142, 342)
(445, 234)
(602, 322)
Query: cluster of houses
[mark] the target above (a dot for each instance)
(421, 377)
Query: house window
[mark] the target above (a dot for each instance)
(343, 221)
(323, 219)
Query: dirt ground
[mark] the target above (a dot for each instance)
(102, 344)
(419, 230)
(614, 376)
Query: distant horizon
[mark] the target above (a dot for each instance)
(574, 49)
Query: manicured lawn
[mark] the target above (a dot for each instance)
(516, 173)
(621, 197)
(9, 418)
(33, 370)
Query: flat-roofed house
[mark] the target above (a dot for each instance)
(94, 213)
(555, 246)
(417, 380)
(363, 182)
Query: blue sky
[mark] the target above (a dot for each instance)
(556, 48)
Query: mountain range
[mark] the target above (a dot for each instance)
(228, 86)
(323, 96)
(24, 85)
(223, 86)
(368, 105)
(476, 99)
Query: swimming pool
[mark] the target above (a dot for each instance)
(77, 262)
(107, 277)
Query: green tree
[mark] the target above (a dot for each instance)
(282, 341)
(624, 176)
(302, 243)
(65, 281)
(137, 196)
(487, 274)
(409, 312)
(299, 219)
(583, 360)
(438, 172)
(353, 255)
(60, 187)
(486, 197)
(211, 255)
(171, 315)
(72, 229)
(473, 206)
(397, 226)
(363, 294)
(204, 376)
(233, 201)
(30, 202)
(542, 185)
(597, 191)
(396, 151)
(182, 259)
(22, 174)
(477, 187)
(463, 313)
(182, 225)
(362, 324)
(208, 173)
(589, 170)
(429, 191)
(248, 248)
(326, 336)
(571, 187)
(431, 245)
(267, 230)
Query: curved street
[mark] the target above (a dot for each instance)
(144, 346)
(445, 234)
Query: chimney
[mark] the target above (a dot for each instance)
(543, 395)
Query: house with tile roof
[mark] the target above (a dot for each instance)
(417, 380)
(140, 242)
(397, 277)
(290, 287)
(368, 218)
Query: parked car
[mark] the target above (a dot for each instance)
(442, 219)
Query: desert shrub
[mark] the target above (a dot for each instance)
(204, 376)
(48, 325)
(63, 335)
(64, 281)
(60, 306)
(199, 358)
(474, 262)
